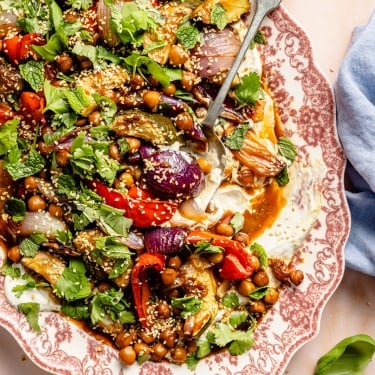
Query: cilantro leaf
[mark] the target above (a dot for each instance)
(76, 311)
(33, 73)
(204, 247)
(31, 311)
(237, 318)
(238, 347)
(9, 270)
(111, 247)
(73, 284)
(189, 305)
(282, 178)
(30, 245)
(8, 136)
(236, 139)
(249, 91)
(28, 283)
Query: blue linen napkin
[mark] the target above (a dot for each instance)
(355, 100)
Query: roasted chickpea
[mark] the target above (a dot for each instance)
(177, 55)
(168, 337)
(168, 276)
(127, 355)
(95, 118)
(124, 339)
(151, 99)
(55, 210)
(134, 144)
(242, 237)
(170, 89)
(255, 262)
(261, 278)
(104, 286)
(114, 151)
(296, 277)
(141, 348)
(257, 307)
(163, 310)
(31, 183)
(188, 80)
(245, 287)
(137, 81)
(224, 229)
(184, 121)
(126, 179)
(159, 351)
(62, 158)
(174, 262)
(64, 63)
(146, 337)
(36, 203)
(271, 297)
(205, 165)
(14, 254)
(216, 258)
(179, 355)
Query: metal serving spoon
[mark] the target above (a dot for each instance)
(215, 145)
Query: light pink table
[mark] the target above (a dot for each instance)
(352, 308)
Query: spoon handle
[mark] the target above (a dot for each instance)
(263, 7)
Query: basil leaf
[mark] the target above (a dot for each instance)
(33, 73)
(349, 356)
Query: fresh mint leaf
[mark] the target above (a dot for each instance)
(55, 45)
(111, 247)
(8, 135)
(287, 148)
(204, 247)
(282, 178)
(188, 36)
(189, 305)
(218, 16)
(249, 90)
(114, 220)
(120, 266)
(33, 73)
(31, 311)
(16, 208)
(73, 284)
(55, 99)
(31, 164)
(236, 139)
(80, 4)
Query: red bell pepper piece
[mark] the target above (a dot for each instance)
(237, 263)
(6, 113)
(138, 205)
(18, 47)
(140, 286)
(31, 107)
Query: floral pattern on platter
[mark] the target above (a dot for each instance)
(306, 105)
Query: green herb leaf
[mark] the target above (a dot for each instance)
(28, 283)
(11, 271)
(33, 73)
(111, 247)
(8, 135)
(204, 247)
(16, 208)
(79, 101)
(259, 293)
(79, 4)
(64, 237)
(218, 16)
(76, 311)
(287, 148)
(30, 245)
(231, 300)
(30, 165)
(188, 36)
(237, 222)
(73, 284)
(248, 91)
(236, 139)
(189, 305)
(192, 361)
(31, 311)
(282, 178)
(349, 356)
(259, 250)
(55, 98)
(237, 318)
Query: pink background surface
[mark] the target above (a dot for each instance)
(350, 311)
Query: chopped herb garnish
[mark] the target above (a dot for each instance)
(189, 305)
(248, 91)
(236, 139)
(31, 311)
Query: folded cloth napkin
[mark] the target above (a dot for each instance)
(355, 100)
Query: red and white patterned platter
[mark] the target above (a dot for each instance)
(307, 109)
